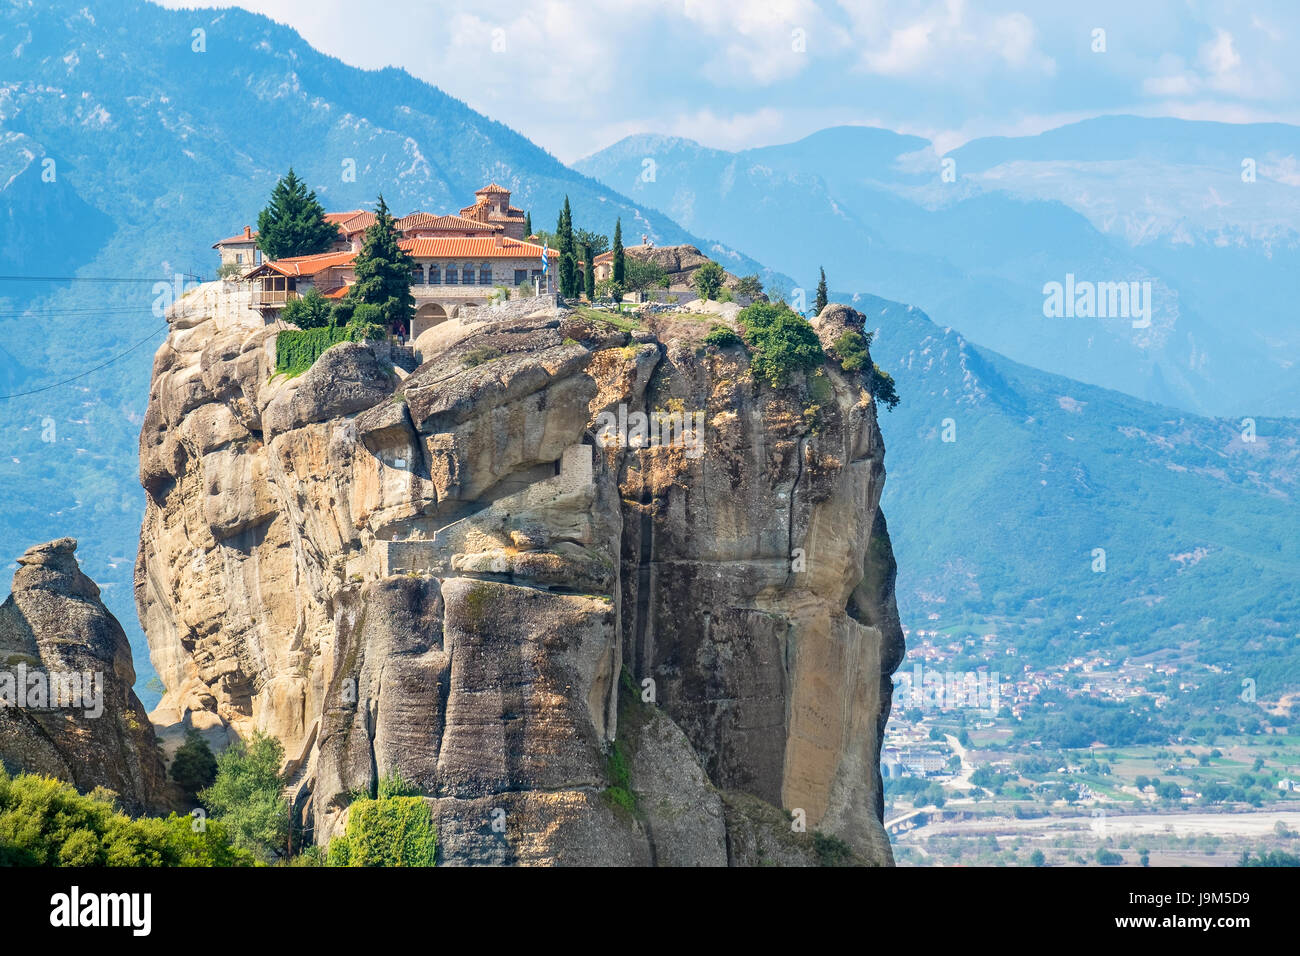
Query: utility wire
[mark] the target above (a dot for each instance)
(115, 358)
(183, 275)
(68, 381)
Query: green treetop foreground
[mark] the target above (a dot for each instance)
(46, 822)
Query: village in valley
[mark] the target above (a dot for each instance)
(991, 759)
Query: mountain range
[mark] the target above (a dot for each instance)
(976, 235)
(124, 154)
(132, 138)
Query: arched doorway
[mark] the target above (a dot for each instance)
(426, 317)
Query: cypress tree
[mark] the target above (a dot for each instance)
(590, 274)
(569, 284)
(821, 291)
(384, 271)
(293, 222)
(618, 251)
(528, 224)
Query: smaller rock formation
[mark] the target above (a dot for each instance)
(67, 709)
(678, 262)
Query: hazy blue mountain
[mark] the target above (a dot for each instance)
(996, 530)
(157, 151)
(1110, 200)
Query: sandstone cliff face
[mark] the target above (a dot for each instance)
(457, 575)
(66, 677)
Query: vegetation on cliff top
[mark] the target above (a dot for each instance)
(296, 350)
(853, 349)
(782, 342)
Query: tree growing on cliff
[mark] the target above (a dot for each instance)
(708, 280)
(194, 767)
(247, 795)
(642, 274)
(750, 287)
(782, 342)
(383, 271)
(293, 222)
(821, 300)
(311, 311)
(882, 387)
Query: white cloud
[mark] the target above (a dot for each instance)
(1221, 69)
(761, 41)
(1220, 56)
(944, 39)
(575, 75)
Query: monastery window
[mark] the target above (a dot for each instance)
(485, 274)
(435, 275)
(451, 274)
(521, 276)
(417, 274)
(467, 274)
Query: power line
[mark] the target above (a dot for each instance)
(68, 381)
(183, 275)
(38, 313)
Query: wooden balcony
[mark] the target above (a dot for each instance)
(272, 298)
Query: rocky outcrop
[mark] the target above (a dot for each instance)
(678, 262)
(582, 647)
(67, 709)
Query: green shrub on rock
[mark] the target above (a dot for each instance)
(393, 831)
(782, 342)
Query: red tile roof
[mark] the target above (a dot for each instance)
(354, 220)
(427, 220)
(306, 265)
(490, 189)
(470, 248)
(245, 236)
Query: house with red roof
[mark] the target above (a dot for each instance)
(492, 206)
(459, 260)
(239, 252)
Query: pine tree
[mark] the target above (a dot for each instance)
(821, 292)
(383, 271)
(293, 222)
(590, 274)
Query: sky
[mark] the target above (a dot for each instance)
(578, 75)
